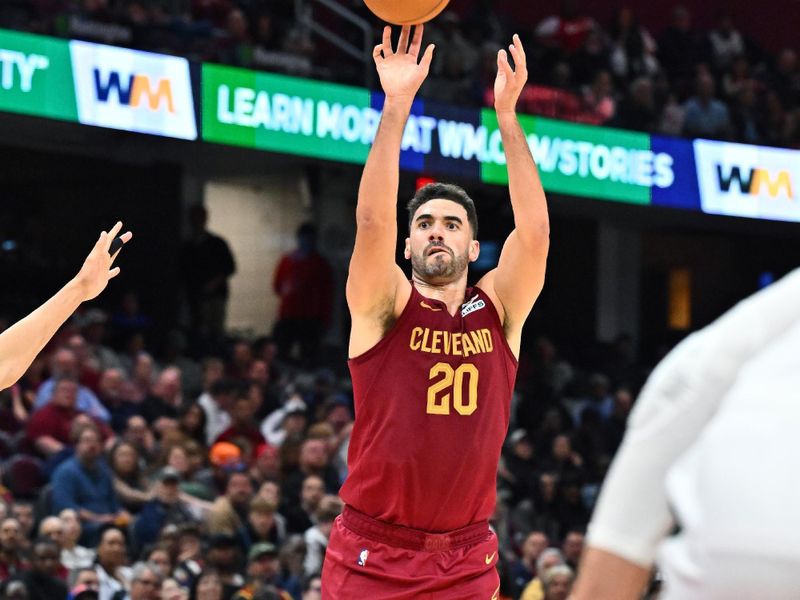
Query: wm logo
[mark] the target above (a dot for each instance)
(754, 181)
(135, 90)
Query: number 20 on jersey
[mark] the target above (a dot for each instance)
(455, 388)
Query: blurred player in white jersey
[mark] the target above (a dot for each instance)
(713, 446)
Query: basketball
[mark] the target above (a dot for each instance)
(406, 12)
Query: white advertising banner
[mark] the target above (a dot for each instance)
(748, 181)
(132, 90)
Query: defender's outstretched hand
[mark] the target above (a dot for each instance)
(401, 71)
(20, 343)
(509, 82)
(96, 270)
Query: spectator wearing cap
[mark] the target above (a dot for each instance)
(165, 508)
(64, 364)
(518, 470)
(112, 559)
(264, 524)
(49, 429)
(242, 431)
(267, 465)
(217, 400)
(85, 483)
(229, 512)
(223, 558)
(316, 537)
(73, 556)
(42, 579)
(288, 421)
(11, 559)
(224, 458)
(263, 569)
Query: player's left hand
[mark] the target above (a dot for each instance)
(509, 82)
(96, 270)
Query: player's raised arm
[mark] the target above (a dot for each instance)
(374, 276)
(20, 343)
(519, 276)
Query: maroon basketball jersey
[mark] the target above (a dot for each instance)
(432, 402)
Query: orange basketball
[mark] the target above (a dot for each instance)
(406, 12)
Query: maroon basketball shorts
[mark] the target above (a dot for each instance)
(372, 560)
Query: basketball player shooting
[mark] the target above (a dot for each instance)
(433, 362)
(20, 343)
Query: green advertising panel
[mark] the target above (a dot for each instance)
(36, 76)
(286, 114)
(583, 160)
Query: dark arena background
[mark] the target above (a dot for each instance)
(668, 142)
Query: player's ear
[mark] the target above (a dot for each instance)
(407, 249)
(474, 250)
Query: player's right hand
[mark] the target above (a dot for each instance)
(400, 73)
(96, 270)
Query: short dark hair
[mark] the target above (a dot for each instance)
(444, 191)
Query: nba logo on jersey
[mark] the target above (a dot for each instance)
(362, 558)
(472, 305)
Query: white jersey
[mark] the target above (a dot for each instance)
(714, 445)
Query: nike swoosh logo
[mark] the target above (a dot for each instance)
(489, 558)
(424, 304)
(496, 595)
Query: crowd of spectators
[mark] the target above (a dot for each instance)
(680, 80)
(129, 475)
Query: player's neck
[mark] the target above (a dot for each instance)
(450, 292)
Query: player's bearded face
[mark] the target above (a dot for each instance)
(437, 261)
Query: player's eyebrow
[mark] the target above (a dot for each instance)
(452, 218)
